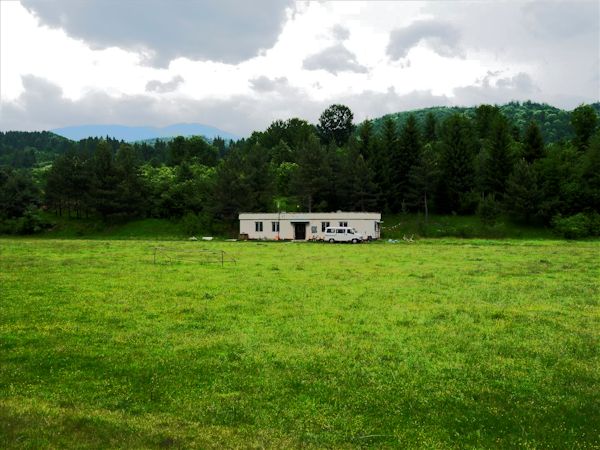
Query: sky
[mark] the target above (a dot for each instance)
(239, 65)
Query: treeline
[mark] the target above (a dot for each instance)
(554, 123)
(480, 163)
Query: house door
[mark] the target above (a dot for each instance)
(300, 231)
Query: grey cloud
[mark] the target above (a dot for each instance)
(562, 19)
(340, 33)
(497, 90)
(559, 38)
(441, 37)
(334, 60)
(264, 84)
(160, 87)
(42, 105)
(219, 30)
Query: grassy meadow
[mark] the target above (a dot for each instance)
(444, 343)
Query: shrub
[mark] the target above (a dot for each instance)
(190, 223)
(578, 226)
(30, 223)
(488, 210)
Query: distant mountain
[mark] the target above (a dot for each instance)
(554, 123)
(132, 134)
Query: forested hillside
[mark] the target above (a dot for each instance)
(456, 162)
(20, 149)
(554, 123)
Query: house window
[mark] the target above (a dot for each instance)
(324, 225)
(313, 229)
(343, 224)
(376, 226)
(258, 226)
(275, 227)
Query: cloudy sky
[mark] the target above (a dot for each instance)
(238, 65)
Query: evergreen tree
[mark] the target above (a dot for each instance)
(366, 140)
(533, 143)
(177, 149)
(386, 146)
(200, 151)
(498, 160)
(231, 189)
(424, 177)
(430, 128)
(584, 121)
(590, 175)
(456, 164)
(485, 116)
(103, 195)
(129, 188)
(313, 176)
(559, 181)
(18, 193)
(260, 179)
(522, 200)
(403, 161)
(67, 184)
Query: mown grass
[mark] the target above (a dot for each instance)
(438, 344)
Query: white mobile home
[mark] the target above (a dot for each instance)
(306, 226)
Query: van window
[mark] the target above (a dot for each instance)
(340, 231)
(329, 230)
(350, 232)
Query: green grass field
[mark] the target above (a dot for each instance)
(438, 344)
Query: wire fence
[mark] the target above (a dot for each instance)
(166, 255)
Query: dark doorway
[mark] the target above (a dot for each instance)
(300, 231)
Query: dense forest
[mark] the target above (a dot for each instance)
(531, 163)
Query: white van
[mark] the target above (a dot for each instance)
(343, 234)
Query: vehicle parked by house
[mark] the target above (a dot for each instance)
(343, 234)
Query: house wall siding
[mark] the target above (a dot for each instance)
(365, 223)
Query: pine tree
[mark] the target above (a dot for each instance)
(129, 189)
(498, 160)
(522, 197)
(231, 190)
(386, 146)
(430, 129)
(424, 178)
(313, 177)
(485, 116)
(533, 143)
(590, 175)
(584, 121)
(103, 195)
(359, 189)
(403, 162)
(457, 174)
(366, 140)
